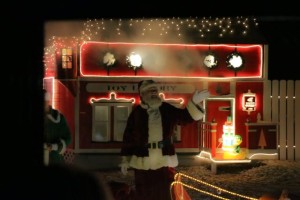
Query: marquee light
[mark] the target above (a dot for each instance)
(91, 69)
(210, 60)
(109, 59)
(134, 61)
(235, 61)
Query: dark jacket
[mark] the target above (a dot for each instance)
(135, 138)
(56, 131)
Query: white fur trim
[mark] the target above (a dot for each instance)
(155, 160)
(145, 106)
(57, 120)
(63, 150)
(54, 147)
(124, 159)
(195, 113)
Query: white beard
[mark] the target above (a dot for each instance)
(153, 102)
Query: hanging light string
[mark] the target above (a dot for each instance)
(220, 190)
(162, 29)
(57, 43)
(200, 27)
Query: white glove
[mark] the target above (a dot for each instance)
(51, 147)
(124, 165)
(54, 147)
(199, 96)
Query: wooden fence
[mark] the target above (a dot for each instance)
(282, 105)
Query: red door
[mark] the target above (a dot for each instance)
(218, 110)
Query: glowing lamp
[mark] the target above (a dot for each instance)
(249, 102)
(235, 61)
(210, 60)
(109, 59)
(134, 61)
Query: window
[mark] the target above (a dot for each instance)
(101, 128)
(67, 58)
(121, 113)
(109, 121)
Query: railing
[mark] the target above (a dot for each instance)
(208, 136)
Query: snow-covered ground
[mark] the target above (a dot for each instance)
(260, 178)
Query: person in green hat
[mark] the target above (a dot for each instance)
(57, 135)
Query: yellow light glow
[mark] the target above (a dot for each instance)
(207, 155)
(178, 178)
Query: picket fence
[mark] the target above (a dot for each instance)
(282, 106)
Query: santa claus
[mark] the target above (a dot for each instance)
(147, 142)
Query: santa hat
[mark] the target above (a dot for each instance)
(145, 84)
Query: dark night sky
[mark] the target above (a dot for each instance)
(282, 35)
(279, 21)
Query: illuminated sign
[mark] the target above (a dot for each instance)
(249, 102)
(168, 60)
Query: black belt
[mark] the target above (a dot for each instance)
(159, 144)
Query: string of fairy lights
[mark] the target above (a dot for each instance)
(57, 43)
(113, 30)
(218, 189)
(202, 27)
